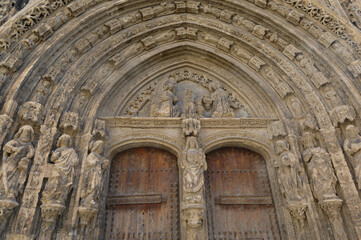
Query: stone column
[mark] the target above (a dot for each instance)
(192, 164)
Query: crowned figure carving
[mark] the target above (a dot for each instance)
(59, 185)
(352, 147)
(164, 101)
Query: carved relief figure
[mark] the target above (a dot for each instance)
(94, 167)
(321, 173)
(164, 102)
(189, 108)
(352, 147)
(17, 155)
(219, 96)
(193, 165)
(60, 183)
(288, 172)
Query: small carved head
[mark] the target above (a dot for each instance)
(214, 85)
(309, 140)
(64, 141)
(97, 146)
(192, 143)
(281, 146)
(352, 132)
(25, 134)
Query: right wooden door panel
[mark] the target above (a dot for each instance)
(238, 193)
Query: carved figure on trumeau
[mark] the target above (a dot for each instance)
(288, 172)
(219, 96)
(164, 101)
(193, 164)
(320, 170)
(17, 155)
(352, 147)
(60, 183)
(189, 108)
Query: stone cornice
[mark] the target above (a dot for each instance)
(144, 122)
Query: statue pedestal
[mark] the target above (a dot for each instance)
(49, 214)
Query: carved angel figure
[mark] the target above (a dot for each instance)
(164, 103)
(94, 168)
(17, 155)
(352, 147)
(193, 164)
(221, 106)
(287, 169)
(322, 177)
(60, 183)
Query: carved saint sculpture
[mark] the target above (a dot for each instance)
(60, 183)
(94, 168)
(164, 102)
(288, 169)
(352, 147)
(219, 96)
(193, 165)
(321, 173)
(17, 155)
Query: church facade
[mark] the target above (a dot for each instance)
(184, 119)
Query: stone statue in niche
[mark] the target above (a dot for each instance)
(193, 165)
(352, 147)
(94, 168)
(17, 155)
(60, 183)
(164, 101)
(320, 170)
(189, 108)
(288, 172)
(219, 96)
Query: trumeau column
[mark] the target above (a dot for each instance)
(192, 164)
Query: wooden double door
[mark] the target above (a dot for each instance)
(143, 200)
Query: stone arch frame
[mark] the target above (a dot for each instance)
(20, 69)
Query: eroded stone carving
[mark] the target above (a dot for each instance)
(192, 165)
(17, 156)
(323, 182)
(164, 101)
(288, 172)
(95, 165)
(60, 183)
(352, 147)
(221, 105)
(322, 177)
(31, 113)
(70, 122)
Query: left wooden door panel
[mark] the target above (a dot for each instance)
(142, 202)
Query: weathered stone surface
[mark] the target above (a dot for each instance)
(278, 77)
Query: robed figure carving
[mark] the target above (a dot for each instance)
(94, 168)
(17, 155)
(322, 177)
(288, 172)
(164, 101)
(60, 183)
(219, 96)
(194, 164)
(352, 147)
